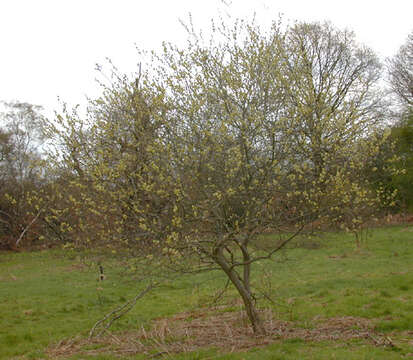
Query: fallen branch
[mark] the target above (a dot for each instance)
(221, 293)
(114, 315)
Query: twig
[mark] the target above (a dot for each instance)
(162, 353)
(221, 292)
(268, 297)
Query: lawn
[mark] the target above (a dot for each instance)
(322, 298)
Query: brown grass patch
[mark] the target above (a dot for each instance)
(227, 331)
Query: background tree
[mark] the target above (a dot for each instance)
(401, 139)
(400, 75)
(400, 71)
(21, 169)
(335, 111)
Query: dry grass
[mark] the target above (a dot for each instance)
(227, 331)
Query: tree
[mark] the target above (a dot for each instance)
(274, 131)
(402, 141)
(331, 86)
(335, 110)
(6, 149)
(215, 143)
(22, 123)
(400, 74)
(21, 169)
(400, 71)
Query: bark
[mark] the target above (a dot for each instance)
(243, 288)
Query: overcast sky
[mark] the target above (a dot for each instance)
(49, 48)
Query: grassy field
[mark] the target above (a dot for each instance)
(330, 300)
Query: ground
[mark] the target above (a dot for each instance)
(321, 298)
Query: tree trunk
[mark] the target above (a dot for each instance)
(243, 289)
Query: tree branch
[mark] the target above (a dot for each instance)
(118, 312)
(28, 227)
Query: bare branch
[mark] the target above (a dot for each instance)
(114, 315)
(28, 227)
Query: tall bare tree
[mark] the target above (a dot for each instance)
(400, 70)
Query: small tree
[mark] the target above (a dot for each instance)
(220, 141)
(270, 131)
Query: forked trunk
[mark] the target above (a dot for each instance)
(243, 289)
(253, 316)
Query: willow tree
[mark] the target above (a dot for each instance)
(247, 132)
(268, 130)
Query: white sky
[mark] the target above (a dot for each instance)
(49, 48)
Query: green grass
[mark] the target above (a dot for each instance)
(53, 295)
